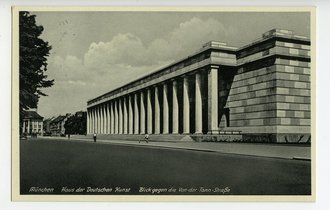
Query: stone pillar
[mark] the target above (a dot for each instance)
(104, 119)
(92, 121)
(116, 117)
(90, 130)
(212, 97)
(198, 104)
(136, 114)
(130, 114)
(120, 107)
(157, 111)
(23, 126)
(95, 120)
(165, 110)
(98, 119)
(149, 112)
(112, 119)
(125, 120)
(88, 121)
(28, 127)
(142, 115)
(175, 106)
(108, 118)
(186, 112)
(42, 126)
(101, 119)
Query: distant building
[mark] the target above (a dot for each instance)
(32, 123)
(46, 125)
(56, 126)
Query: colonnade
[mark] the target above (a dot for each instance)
(148, 110)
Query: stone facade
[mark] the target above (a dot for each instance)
(260, 91)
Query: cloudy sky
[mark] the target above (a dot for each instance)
(95, 52)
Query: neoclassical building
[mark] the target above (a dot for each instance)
(32, 123)
(260, 92)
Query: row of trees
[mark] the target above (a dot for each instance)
(76, 124)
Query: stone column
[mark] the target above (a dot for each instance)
(157, 112)
(149, 112)
(88, 121)
(116, 117)
(23, 126)
(142, 115)
(112, 119)
(28, 127)
(42, 126)
(136, 114)
(198, 104)
(212, 97)
(101, 119)
(130, 114)
(165, 109)
(175, 106)
(125, 120)
(98, 119)
(104, 119)
(120, 107)
(108, 118)
(92, 121)
(186, 112)
(95, 120)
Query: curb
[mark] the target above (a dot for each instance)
(302, 158)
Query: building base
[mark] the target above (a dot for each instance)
(277, 138)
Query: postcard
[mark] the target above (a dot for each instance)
(163, 104)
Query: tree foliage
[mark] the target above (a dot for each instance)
(76, 124)
(33, 53)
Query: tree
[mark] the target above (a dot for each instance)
(33, 53)
(76, 124)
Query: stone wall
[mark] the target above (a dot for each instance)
(270, 93)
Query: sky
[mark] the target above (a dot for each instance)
(95, 52)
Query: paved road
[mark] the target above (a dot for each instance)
(62, 164)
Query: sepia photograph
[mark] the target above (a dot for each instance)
(171, 103)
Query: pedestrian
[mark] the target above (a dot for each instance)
(94, 137)
(69, 136)
(146, 138)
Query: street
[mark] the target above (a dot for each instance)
(67, 166)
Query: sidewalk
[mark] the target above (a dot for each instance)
(300, 152)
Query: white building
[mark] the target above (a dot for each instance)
(32, 123)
